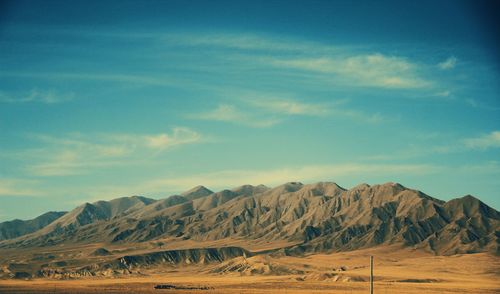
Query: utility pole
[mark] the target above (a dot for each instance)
(371, 274)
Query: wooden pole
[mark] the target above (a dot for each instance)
(371, 274)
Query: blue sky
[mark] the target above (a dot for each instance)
(106, 99)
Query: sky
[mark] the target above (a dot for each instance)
(105, 99)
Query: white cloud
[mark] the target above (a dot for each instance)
(374, 70)
(35, 95)
(77, 154)
(486, 141)
(229, 113)
(449, 63)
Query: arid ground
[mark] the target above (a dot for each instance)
(396, 271)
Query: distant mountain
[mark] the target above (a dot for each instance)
(90, 213)
(17, 227)
(321, 217)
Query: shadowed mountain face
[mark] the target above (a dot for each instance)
(16, 228)
(320, 217)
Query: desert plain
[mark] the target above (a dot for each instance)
(396, 270)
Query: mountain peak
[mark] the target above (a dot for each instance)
(324, 188)
(392, 188)
(467, 200)
(135, 199)
(469, 197)
(469, 205)
(394, 184)
(197, 192)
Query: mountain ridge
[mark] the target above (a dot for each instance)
(319, 217)
(16, 228)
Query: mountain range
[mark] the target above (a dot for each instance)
(320, 217)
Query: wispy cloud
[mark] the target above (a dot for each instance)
(245, 42)
(486, 141)
(445, 93)
(18, 187)
(290, 107)
(480, 104)
(452, 145)
(224, 179)
(263, 110)
(335, 108)
(338, 65)
(37, 96)
(170, 184)
(449, 63)
(480, 168)
(77, 154)
(373, 70)
(153, 80)
(230, 113)
(232, 178)
(70, 162)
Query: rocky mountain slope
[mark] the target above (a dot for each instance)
(321, 217)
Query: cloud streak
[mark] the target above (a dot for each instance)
(263, 110)
(230, 113)
(18, 187)
(248, 42)
(449, 63)
(371, 70)
(149, 80)
(224, 179)
(335, 63)
(37, 96)
(78, 154)
(485, 141)
(290, 107)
